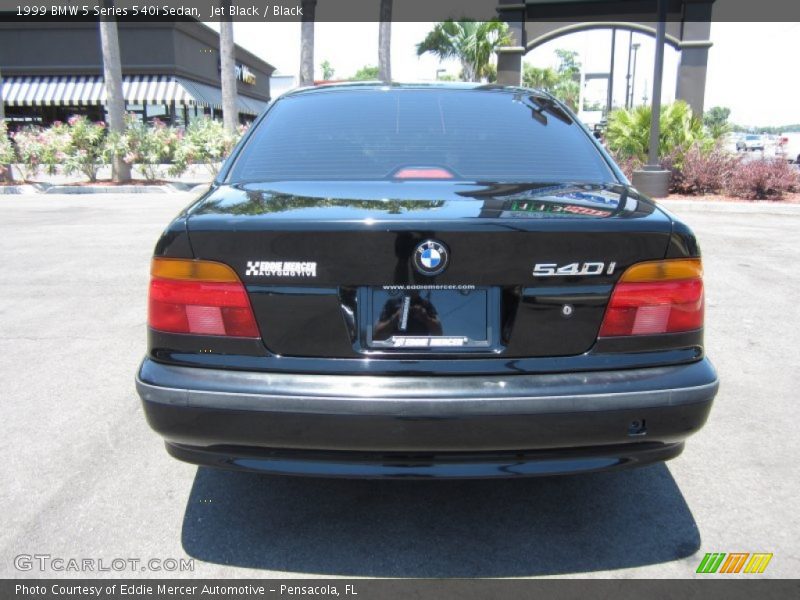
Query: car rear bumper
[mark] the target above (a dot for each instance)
(466, 426)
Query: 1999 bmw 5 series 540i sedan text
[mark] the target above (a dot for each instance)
(424, 281)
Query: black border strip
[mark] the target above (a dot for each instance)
(402, 10)
(744, 587)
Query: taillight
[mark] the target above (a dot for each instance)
(656, 297)
(199, 297)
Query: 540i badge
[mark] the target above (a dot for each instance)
(587, 268)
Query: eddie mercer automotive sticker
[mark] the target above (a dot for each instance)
(271, 268)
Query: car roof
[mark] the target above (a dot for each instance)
(374, 86)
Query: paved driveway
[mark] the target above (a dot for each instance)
(84, 477)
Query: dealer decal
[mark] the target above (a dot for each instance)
(734, 562)
(269, 268)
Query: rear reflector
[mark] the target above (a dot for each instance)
(199, 297)
(657, 297)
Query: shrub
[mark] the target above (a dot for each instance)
(39, 148)
(149, 146)
(701, 171)
(206, 142)
(87, 149)
(768, 178)
(83, 146)
(27, 143)
(628, 164)
(7, 155)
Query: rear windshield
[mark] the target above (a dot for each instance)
(486, 135)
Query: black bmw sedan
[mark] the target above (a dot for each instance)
(424, 281)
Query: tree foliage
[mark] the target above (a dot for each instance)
(628, 132)
(568, 63)
(545, 79)
(366, 73)
(472, 43)
(327, 70)
(772, 129)
(716, 121)
(563, 81)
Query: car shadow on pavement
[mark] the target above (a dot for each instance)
(478, 528)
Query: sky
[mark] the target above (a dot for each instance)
(752, 67)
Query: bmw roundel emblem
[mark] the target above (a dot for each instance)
(431, 257)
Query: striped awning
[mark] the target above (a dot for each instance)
(207, 95)
(138, 89)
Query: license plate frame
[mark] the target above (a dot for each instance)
(465, 318)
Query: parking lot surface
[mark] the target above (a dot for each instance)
(84, 477)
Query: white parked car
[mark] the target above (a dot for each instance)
(751, 142)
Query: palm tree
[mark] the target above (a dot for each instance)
(227, 68)
(307, 43)
(327, 70)
(115, 101)
(385, 42)
(628, 131)
(471, 42)
(546, 79)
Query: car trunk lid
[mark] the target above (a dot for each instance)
(530, 267)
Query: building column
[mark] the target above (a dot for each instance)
(509, 58)
(692, 76)
(695, 42)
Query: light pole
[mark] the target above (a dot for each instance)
(633, 75)
(610, 92)
(653, 180)
(628, 72)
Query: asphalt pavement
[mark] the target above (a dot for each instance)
(85, 478)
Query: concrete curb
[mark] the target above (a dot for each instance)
(103, 189)
(745, 206)
(16, 190)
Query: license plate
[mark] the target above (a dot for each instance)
(418, 317)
